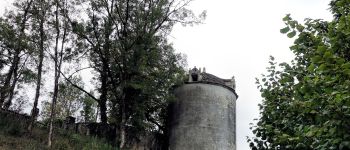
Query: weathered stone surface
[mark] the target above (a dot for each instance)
(203, 118)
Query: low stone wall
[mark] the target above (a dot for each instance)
(20, 119)
(150, 141)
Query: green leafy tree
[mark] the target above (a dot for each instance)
(39, 36)
(124, 41)
(61, 49)
(89, 108)
(15, 49)
(135, 63)
(306, 104)
(20, 103)
(69, 100)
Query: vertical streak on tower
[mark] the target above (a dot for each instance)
(203, 116)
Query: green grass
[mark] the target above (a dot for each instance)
(13, 136)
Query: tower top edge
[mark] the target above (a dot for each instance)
(213, 83)
(198, 76)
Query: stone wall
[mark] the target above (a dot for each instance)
(149, 141)
(21, 120)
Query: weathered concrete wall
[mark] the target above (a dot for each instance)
(203, 118)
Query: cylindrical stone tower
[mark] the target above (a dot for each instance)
(203, 116)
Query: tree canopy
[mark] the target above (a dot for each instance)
(306, 103)
(123, 42)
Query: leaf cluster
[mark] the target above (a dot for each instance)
(126, 43)
(306, 104)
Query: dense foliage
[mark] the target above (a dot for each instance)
(69, 101)
(306, 103)
(126, 43)
(123, 42)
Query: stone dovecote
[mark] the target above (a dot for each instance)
(203, 116)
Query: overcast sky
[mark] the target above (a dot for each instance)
(236, 39)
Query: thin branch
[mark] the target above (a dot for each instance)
(78, 87)
(154, 122)
(21, 68)
(69, 81)
(71, 75)
(81, 35)
(169, 13)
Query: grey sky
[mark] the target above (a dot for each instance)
(236, 39)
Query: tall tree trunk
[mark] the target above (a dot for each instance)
(103, 98)
(35, 111)
(53, 106)
(6, 89)
(57, 76)
(69, 109)
(96, 117)
(122, 123)
(16, 60)
(104, 54)
(124, 78)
